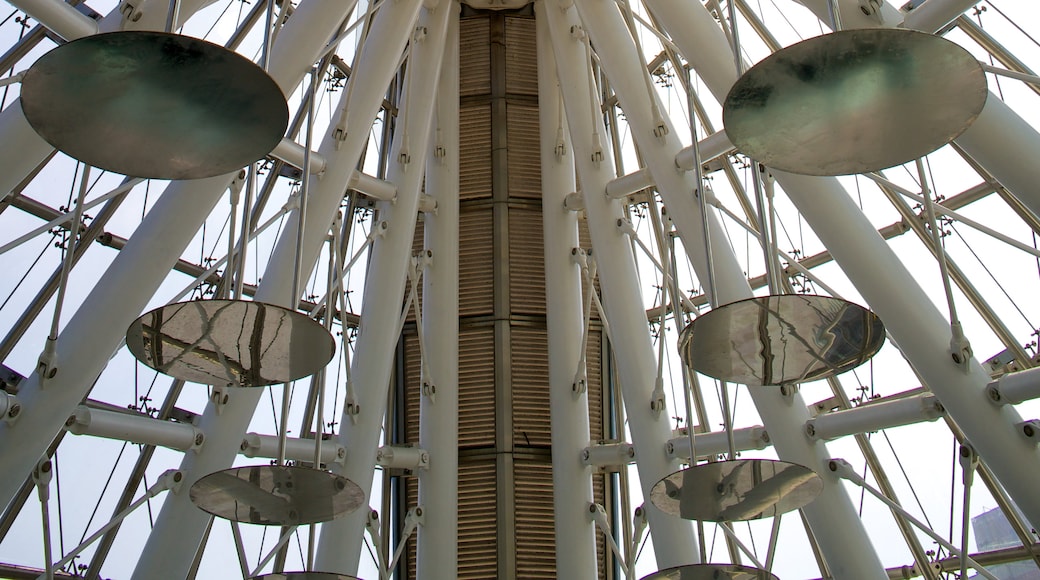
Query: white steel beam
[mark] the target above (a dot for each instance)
(437, 540)
(934, 15)
(341, 540)
(59, 17)
(881, 278)
(568, 406)
(674, 539)
(832, 515)
(180, 526)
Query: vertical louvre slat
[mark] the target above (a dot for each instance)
(476, 387)
(530, 353)
(412, 377)
(521, 57)
(526, 262)
(594, 372)
(525, 167)
(475, 152)
(474, 57)
(476, 271)
(478, 532)
(535, 528)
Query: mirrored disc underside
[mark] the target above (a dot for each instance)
(854, 101)
(304, 576)
(711, 572)
(728, 491)
(787, 338)
(230, 342)
(155, 105)
(274, 495)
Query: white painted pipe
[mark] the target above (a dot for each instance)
(132, 428)
(296, 449)
(341, 539)
(293, 153)
(711, 147)
(401, 457)
(373, 187)
(437, 544)
(873, 417)
(1015, 388)
(934, 15)
(674, 539)
(59, 17)
(716, 443)
(832, 514)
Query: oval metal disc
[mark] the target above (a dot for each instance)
(729, 491)
(711, 572)
(230, 342)
(155, 105)
(786, 338)
(303, 576)
(273, 495)
(854, 101)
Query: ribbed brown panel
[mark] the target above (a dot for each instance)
(477, 526)
(535, 533)
(412, 376)
(530, 362)
(476, 386)
(521, 57)
(598, 485)
(474, 57)
(526, 262)
(594, 372)
(525, 168)
(476, 271)
(475, 152)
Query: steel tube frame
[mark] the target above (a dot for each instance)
(999, 139)
(568, 407)
(22, 149)
(437, 537)
(914, 322)
(224, 429)
(674, 539)
(339, 549)
(832, 515)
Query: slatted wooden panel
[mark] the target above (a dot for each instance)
(522, 141)
(535, 532)
(526, 262)
(521, 56)
(475, 151)
(476, 386)
(474, 57)
(478, 534)
(598, 486)
(476, 253)
(530, 363)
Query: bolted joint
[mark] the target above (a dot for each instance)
(1030, 430)
(220, 397)
(10, 407)
(994, 395)
(810, 429)
(788, 391)
(130, 10)
(579, 387)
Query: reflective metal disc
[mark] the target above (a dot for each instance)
(153, 104)
(787, 338)
(854, 101)
(711, 572)
(304, 576)
(274, 495)
(236, 342)
(729, 491)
